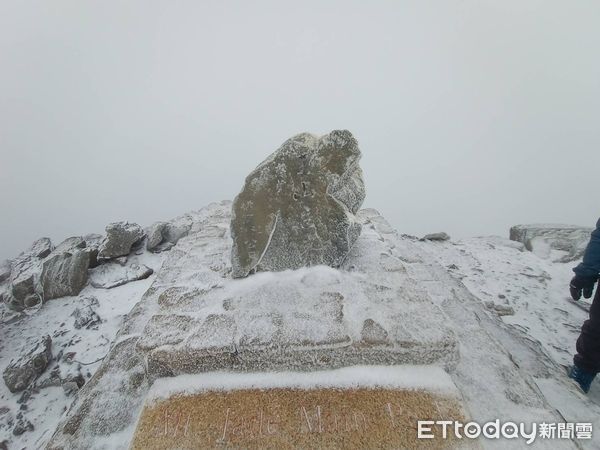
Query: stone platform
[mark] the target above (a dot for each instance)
(353, 408)
(196, 319)
(369, 312)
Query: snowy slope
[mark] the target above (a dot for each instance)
(75, 351)
(508, 309)
(529, 293)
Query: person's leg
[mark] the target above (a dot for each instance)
(587, 359)
(588, 344)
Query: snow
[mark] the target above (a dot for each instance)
(508, 309)
(79, 350)
(537, 289)
(410, 377)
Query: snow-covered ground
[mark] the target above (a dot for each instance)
(528, 292)
(75, 351)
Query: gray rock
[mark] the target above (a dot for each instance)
(92, 244)
(111, 275)
(173, 231)
(120, 238)
(25, 289)
(441, 236)
(24, 281)
(64, 274)
(24, 285)
(155, 236)
(163, 236)
(298, 207)
(85, 317)
(4, 271)
(20, 373)
(500, 310)
(70, 244)
(562, 243)
(41, 248)
(22, 425)
(32, 300)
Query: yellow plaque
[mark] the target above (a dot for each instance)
(283, 418)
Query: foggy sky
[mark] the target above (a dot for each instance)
(471, 115)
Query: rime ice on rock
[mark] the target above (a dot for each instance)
(20, 373)
(562, 243)
(120, 237)
(366, 312)
(297, 208)
(64, 274)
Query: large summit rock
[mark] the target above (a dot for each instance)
(298, 207)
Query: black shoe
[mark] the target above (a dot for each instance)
(583, 377)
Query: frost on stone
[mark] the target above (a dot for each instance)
(162, 236)
(113, 274)
(4, 271)
(558, 242)
(20, 373)
(297, 208)
(64, 274)
(120, 237)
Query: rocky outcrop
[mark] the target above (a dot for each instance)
(298, 207)
(154, 236)
(561, 243)
(24, 289)
(92, 245)
(4, 271)
(20, 373)
(120, 238)
(41, 248)
(45, 272)
(64, 274)
(70, 244)
(163, 236)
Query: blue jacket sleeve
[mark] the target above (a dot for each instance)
(590, 266)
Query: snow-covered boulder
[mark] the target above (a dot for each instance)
(111, 274)
(4, 271)
(92, 246)
(297, 208)
(441, 236)
(64, 274)
(162, 236)
(120, 237)
(45, 272)
(20, 373)
(154, 236)
(86, 315)
(561, 243)
(24, 288)
(70, 244)
(41, 248)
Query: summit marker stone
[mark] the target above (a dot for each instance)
(297, 208)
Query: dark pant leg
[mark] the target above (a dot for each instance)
(588, 344)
